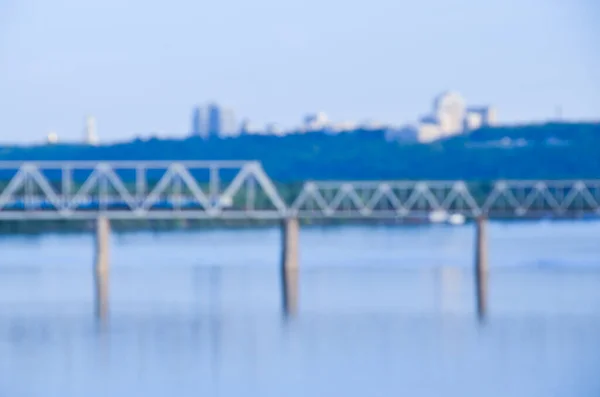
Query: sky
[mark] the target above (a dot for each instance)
(139, 66)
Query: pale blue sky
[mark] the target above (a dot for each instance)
(140, 65)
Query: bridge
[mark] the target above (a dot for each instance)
(243, 190)
(126, 190)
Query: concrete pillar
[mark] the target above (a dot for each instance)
(481, 266)
(289, 265)
(101, 298)
(102, 266)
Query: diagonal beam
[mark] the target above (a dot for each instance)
(233, 188)
(311, 190)
(191, 184)
(15, 184)
(267, 185)
(160, 187)
(119, 186)
(44, 185)
(90, 182)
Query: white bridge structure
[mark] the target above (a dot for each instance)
(127, 190)
(243, 190)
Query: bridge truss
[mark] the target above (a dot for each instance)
(242, 190)
(405, 199)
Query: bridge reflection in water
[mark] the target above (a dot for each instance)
(242, 190)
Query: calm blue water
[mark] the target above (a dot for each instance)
(383, 311)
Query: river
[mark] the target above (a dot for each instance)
(383, 311)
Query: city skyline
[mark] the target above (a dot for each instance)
(141, 77)
(208, 120)
(450, 115)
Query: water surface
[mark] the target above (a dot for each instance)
(383, 311)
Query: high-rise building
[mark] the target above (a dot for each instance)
(221, 121)
(200, 122)
(228, 124)
(451, 117)
(213, 120)
(449, 109)
(91, 137)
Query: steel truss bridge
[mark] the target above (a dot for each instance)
(243, 190)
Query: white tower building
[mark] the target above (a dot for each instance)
(449, 109)
(91, 137)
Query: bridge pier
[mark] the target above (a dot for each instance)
(290, 230)
(481, 266)
(102, 267)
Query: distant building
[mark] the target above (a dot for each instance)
(451, 117)
(274, 129)
(200, 122)
(52, 138)
(221, 121)
(449, 109)
(91, 137)
(228, 125)
(214, 120)
(428, 132)
(343, 126)
(428, 129)
(490, 117)
(316, 122)
(473, 121)
(248, 128)
(372, 125)
(429, 120)
(486, 114)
